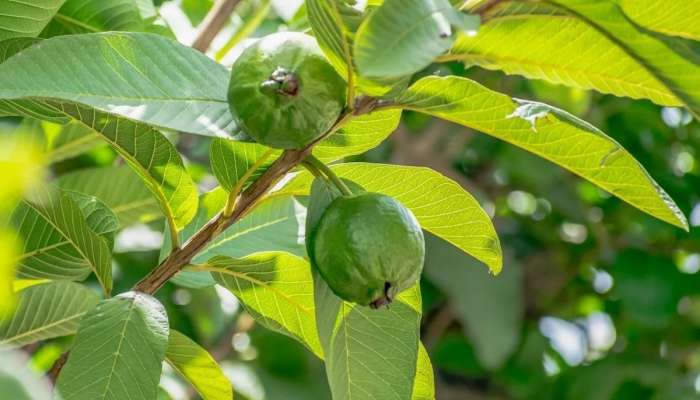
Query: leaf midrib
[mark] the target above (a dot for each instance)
(77, 248)
(122, 336)
(41, 329)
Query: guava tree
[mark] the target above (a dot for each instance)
(293, 106)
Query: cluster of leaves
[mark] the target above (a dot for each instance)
(137, 89)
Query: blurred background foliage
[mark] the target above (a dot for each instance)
(597, 300)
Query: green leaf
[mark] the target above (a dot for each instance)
(547, 132)
(331, 33)
(74, 139)
(276, 224)
(232, 160)
(412, 31)
(361, 134)
(494, 331)
(150, 155)
(58, 241)
(118, 351)
(26, 19)
(586, 44)
(441, 206)
(673, 61)
(424, 384)
(198, 367)
(540, 41)
(86, 16)
(10, 47)
(144, 77)
(276, 288)
(369, 353)
(119, 188)
(675, 18)
(98, 216)
(46, 311)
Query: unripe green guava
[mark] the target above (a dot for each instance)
(283, 93)
(368, 248)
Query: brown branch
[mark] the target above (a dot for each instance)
(213, 23)
(182, 256)
(57, 366)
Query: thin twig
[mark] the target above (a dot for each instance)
(213, 23)
(57, 366)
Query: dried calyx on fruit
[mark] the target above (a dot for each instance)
(284, 93)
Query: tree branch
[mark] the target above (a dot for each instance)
(213, 23)
(182, 256)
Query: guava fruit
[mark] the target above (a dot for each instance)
(368, 248)
(283, 93)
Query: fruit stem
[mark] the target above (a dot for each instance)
(321, 168)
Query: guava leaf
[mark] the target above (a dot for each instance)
(674, 18)
(424, 383)
(361, 134)
(331, 33)
(149, 153)
(276, 225)
(144, 77)
(98, 216)
(46, 311)
(276, 288)
(547, 132)
(73, 139)
(87, 16)
(673, 61)
(118, 350)
(119, 188)
(369, 353)
(59, 241)
(26, 19)
(10, 47)
(441, 206)
(588, 45)
(231, 160)
(412, 31)
(198, 367)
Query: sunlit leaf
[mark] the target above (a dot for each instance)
(541, 41)
(675, 18)
(46, 311)
(547, 132)
(143, 77)
(118, 351)
(441, 206)
(198, 367)
(276, 288)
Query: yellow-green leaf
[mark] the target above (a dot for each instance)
(198, 367)
(547, 132)
(543, 41)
